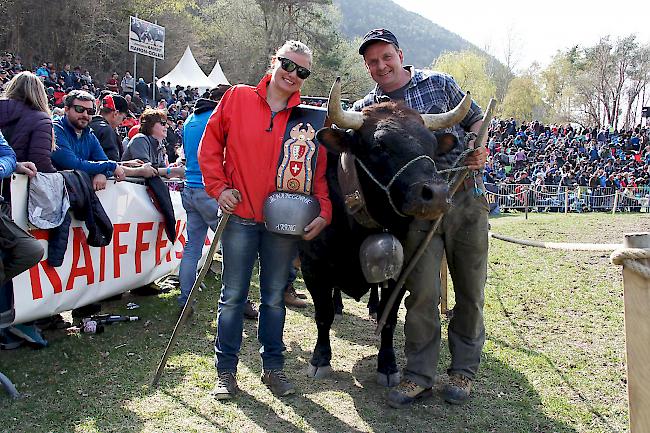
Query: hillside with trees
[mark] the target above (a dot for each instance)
(421, 40)
(604, 84)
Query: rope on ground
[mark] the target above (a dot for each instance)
(571, 246)
(631, 259)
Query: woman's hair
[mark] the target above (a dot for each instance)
(28, 88)
(149, 118)
(292, 47)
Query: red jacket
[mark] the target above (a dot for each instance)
(239, 127)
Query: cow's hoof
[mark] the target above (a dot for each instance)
(388, 380)
(319, 372)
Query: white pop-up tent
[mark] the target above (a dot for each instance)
(188, 73)
(217, 75)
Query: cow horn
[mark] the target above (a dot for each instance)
(436, 122)
(342, 119)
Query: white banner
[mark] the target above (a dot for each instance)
(139, 253)
(146, 38)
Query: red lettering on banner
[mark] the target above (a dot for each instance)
(160, 243)
(50, 272)
(102, 263)
(181, 237)
(139, 245)
(35, 279)
(79, 242)
(118, 249)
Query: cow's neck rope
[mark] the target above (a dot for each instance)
(454, 168)
(386, 188)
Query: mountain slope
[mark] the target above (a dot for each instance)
(421, 40)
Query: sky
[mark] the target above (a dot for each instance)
(538, 29)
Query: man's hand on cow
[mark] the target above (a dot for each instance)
(99, 182)
(476, 160)
(314, 228)
(119, 174)
(228, 200)
(28, 168)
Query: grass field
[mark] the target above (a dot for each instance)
(554, 359)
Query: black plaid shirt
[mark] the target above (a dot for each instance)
(432, 93)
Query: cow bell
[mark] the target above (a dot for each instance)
(289, 213)
(381, 257)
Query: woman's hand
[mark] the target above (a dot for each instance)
(28, 168)
(132, 163)
(228, 200)
(314, 228)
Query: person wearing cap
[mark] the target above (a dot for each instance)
(113, 110)
(240, 158)
(464, 239)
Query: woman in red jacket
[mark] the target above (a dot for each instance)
(239, 157)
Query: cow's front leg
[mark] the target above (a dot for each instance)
(373, 302)
(337, 299)
(387, 372)
(319, 364)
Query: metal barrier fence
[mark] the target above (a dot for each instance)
(556, 198)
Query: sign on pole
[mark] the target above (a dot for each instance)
(146, 38)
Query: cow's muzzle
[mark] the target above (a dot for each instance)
(427, 200)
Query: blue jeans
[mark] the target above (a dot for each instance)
(243, 241)
(201, 212)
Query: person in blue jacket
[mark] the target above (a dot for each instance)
(77, 146)
(201, 209)
(18, 249)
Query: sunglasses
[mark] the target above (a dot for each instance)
(290, 66)
(163, 123)
(80, 109)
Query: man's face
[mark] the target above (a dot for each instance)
(115, 119)
(384, 62)
(80, 120)
(67, 68)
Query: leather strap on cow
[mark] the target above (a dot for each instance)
(355, 203)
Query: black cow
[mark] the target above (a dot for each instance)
(390, 140)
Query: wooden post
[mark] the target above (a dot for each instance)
(443, 284)
(615, 202)
(636, 294)
(566, 199)
(526, 191)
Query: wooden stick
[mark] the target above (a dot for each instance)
(190, 299)
(636, 294)
(443, 285)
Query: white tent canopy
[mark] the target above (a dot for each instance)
(217, 75)
(188, 73)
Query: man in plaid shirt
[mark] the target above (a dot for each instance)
(463, 233)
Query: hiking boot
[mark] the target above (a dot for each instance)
(406, 393)
(292, 300)
(277, 382)
(296, 293)
(226, 386)
(458, 389)
(250, 312)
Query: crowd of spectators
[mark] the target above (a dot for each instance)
(177, 101)
(567, 155)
